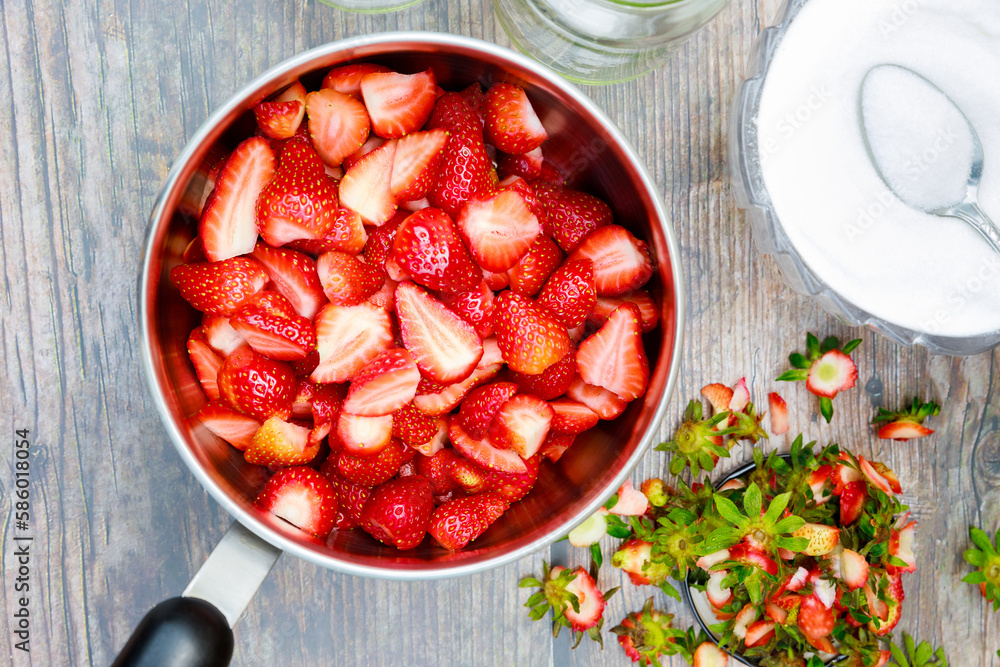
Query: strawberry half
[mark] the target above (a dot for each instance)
(529, 275)
(301, 201)
(527, 165)
(415, 166)
(416, 430)
(364, 435)
(385, 385)
(234, 427)
(351, 497)
(555, 445)
(434, 400)
(648, 309)
(719, 395)
(428, 248)
(346, 79)
(270, 325)
(551, 383)
(822, 538)
(570, 294)
(458, 522)
(779, 413)
(709, 655)
(365, 187)
(346, 280)
(606, 404)
(279, 444)
(481, 406)
(398, 103)
(569, 416)
(482, 451)
(228, 225)
(347, 233)
(294, 277)
(613, 358)
(521, 424)
(219, 288)
(302, 497)
(498, 228)
(529, 338)
(206, 363)
(852, 501)
(465, 168)
(573, 215)
(475, 307)
(621, 261)
(514, 486)
(348, 337)
(445, 347)
(338, 124)
(398, 513)
(280, 118)
(256, 385)
(511, 123)
(371, 470)
(833, 372)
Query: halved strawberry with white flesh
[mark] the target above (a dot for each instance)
(742, 553)
(747, 615)
(514, 486)
(902, 431)
(466, 167)
(219, 288)
(901, 547)
(521, 424)
(614, 357)
(416, 430)
(591, 600)
(481, 406)
(270, 325)
(457, 522)
(529, 338)
(719, 395)
(822, 538)
(718, 596)
(741, 396)
(818, 482)
(256, 385)
(364, 435)
(279, 444)
(512, 125)
(759, 633)
(398, 103)
(325, 405)
(428, 248)
(569, 416)
(234, 427)
(551, 383)
(779, 413)
(348, 337)
(852, 568)
(445, 347)
(434, 400)
(346, 280)
(384, 385)
(294, 277)
(845, 473)
(338, 124)
(475, 307)
(280, 118)
(415, 165)
(366, 148)
(832, 373)
(482, 451)
(556, 444)
(631, 501)
(906, 424)
(347, 233)
(498, 227)
(206, 363)
(648, 309)
(710, 655)
(526, 165)
(302, 497)
(570, 295)
(228, 225)
(365, 187)
(221, 335)
(876, 478)
(346, 79)
(301, 201)
(852, 501)
(606, 404)
(621, 261)
(468, 476)
(529, 275)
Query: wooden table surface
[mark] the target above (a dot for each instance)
(99, 98)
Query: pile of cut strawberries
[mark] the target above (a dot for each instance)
(405, 310)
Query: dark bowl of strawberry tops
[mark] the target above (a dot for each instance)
(410, 306)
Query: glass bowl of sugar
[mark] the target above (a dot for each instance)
(819, 206)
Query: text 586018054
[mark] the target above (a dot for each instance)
(22, 540)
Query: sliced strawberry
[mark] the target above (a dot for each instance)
(371, 144)
(346, 280)
(779, 414)
(365, 186)
(398, 103)
(852, 502)
(325, 408)
(473, 97)
(832, 373)
(219, 288)
(759, 633)
(718, 596)
(886, 623)
(302, 497)
(852, 569)
(481, 406)
(398, 512)
(818, 481)
(428, 248)
(281, 117)
(348, 337)
(648, 309)
(822, 538)
(876, 478)
(384, 385)
(844, 473)
(529, 339)
(556, 444)
(572, 417)
(346, 79)
(364, 435)
(514, 486)
(631, 501)
(475, 307)
(234, 427)
(440, 399)
(425, 434)
(719, 395)
(498, 228)
(415, 166)
(445, 347)
(256, 385)
(606, 404)
(338, 124)
(901, 546)
(294, 277)
(590, 599)
(521, 424)
(206, 363)
(551, 383)
(466, 168)
(573, 215)
(435, 469)
(280, 444)
(496, 281)
(741, 396)
(227, 227)
(529, 275)
(347, 233)
(746, 555)
(351, 497)
(709, 655)
(621, 261)
(458, 522)
(468, 476)
(379, 245)
(814, 619)
(903, 430)
(271, 327)
(301, 201)
(511, 123)
(570, 294)
(527, 165)
(371, 470)
(614, 358)
(482, 452)
(747, 615)
(531, 199)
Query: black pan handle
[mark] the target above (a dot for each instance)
(179, 632)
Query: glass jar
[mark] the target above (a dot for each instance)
(603, 41)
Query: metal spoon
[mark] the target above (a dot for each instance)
(967, 209)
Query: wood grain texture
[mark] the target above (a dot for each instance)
(99, 97)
